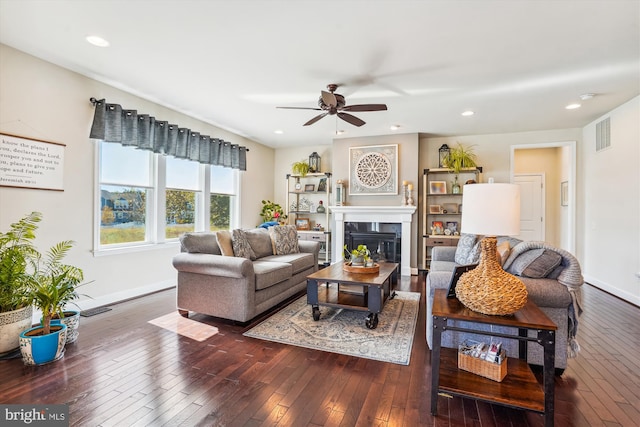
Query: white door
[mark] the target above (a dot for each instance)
(531, 206)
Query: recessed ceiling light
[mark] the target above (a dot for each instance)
(586, 96)
(278, 131)
(572, 106)
(394, 127)
(339, 132)
(468, 113)
(97, 41)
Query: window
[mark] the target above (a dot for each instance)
(222, 198)
(182, 196)
(135, 193)
(125, 192)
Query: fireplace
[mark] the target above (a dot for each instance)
(382, 239)
(396, 220)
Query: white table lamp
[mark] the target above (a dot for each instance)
(491, 210)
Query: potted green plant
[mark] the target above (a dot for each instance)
(359, 256)
(459, 157)
(300, 168)
(17, 255)
(52, 285)
(272, 212)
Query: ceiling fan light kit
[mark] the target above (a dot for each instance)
(334, 104)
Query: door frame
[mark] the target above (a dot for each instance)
(571, 173)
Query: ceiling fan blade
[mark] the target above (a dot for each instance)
(300, 108)
(351, 119)
(365, 107)
(315, 119)
(329, 98)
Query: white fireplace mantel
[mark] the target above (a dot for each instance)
(389, 214)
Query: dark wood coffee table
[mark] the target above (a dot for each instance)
(376, 290)
(520, 388)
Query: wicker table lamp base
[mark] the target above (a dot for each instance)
(488, 289)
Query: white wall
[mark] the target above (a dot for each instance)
(44, 101)
(610, 204)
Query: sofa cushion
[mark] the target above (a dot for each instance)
(284, 239)
(241, 246)
(299, 262)
(468, 250)
(503, 250)
(223, 238)
(199, 243)
(547, 292)
(535, 263)
(260, 241)
(268, 273)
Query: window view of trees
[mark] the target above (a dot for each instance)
(132, 196)
(220, 218)
(123, 214)
(181, 212)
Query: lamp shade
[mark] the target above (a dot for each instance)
(491, 209)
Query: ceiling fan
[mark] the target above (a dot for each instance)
(334, 104)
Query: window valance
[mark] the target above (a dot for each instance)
(112, 123)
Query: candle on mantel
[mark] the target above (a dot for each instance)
(410, 187)
(405, 182)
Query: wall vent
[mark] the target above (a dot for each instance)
(603, 133)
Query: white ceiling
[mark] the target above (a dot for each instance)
(517, 64)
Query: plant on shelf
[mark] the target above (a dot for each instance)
(459, 158)
(358, 256)
(272, 212)
(300, 168)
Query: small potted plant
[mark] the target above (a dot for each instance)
(459, 158)
(359, 256)
(272, 212)
(300, 168)
(51, 286)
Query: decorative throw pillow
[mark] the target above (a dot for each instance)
(284, 239)
(241, 246)
(535, 263)
(465, 248)
(503, 250)
(224, 242)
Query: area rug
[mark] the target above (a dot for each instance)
(343, 331)
(186, 327)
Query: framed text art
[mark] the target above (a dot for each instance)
(31, 163)
(373, 170)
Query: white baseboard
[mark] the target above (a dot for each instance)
(633, 299)
(86, 303)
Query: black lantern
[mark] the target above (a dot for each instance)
(443, 153)
(314, 162)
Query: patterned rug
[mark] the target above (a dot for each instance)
(343, 331)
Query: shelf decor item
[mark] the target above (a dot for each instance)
(491, 210)
(443, 153)
(314, 162)
(272, 211)
(459, 158)
(300, 168)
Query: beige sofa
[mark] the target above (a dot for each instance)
(238, 288)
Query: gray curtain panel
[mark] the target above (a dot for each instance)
(113, 124)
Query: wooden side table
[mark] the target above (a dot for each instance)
(520, 388)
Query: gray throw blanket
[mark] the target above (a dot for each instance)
(571, 277)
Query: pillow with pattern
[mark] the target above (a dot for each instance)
(468, 250)
(284, 239)
(241, 246)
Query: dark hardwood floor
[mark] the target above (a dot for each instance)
(124, 371)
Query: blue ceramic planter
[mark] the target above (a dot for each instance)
(40, 349)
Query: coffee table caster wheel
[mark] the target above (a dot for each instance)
(372, 321)
(316, 313)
